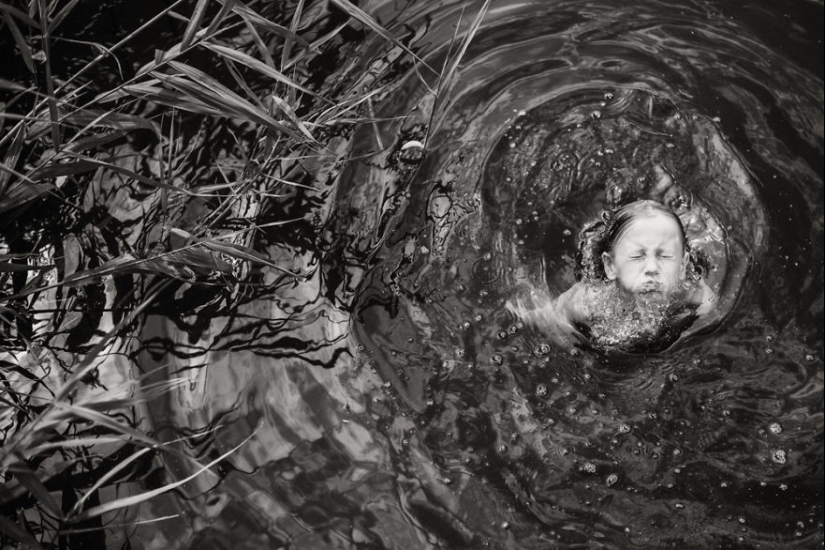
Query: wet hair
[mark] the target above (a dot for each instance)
(601, 236)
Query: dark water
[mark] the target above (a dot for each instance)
(394, 400)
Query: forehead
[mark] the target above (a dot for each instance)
(654, 230)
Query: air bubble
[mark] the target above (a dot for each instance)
(779, 456)
(612, 480)
(775, 428)
(624, 429)
(497, 359)
(541, 390)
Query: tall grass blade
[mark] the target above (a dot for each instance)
(83, 163)
(259, 43)
(260, 67)
(290, 114)
(20, 193)
(154, 94)
(18, 137)
(225, 10)
(19, 534)
(143, 497)
(445, 79)
(92, 118)
(95, 141)
(50, 98)
(293, 26)
(358, 14)
(61, 15)
(28, 480)
(19, 14)
(194, 24)
(106, 477)
(22, 45)
(248, 14)
(208, 90)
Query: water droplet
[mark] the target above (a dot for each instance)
(512, 329)
(775, 428)
(505, 524)
(541, 390)
(497, 359)
(608, 96)
(679, 506)
(596, 114)
(779, 456)
(502, 448)
(501, 335)
(624, 429)
(612, 480)
(589, 467)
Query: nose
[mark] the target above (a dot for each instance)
(651, 266)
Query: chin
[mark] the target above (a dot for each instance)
(654, 297)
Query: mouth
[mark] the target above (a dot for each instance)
(650, 289)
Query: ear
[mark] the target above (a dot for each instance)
(609, 267)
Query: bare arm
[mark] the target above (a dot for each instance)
(703, 297)
(554, 316)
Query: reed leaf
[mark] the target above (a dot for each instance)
(208, 90)
(248, 14)
(106, 477)
(17, 533)
(358, 14)
(12, 156)
(194, 24)
(143, 497)
(290, 114)
(446, 77)
(260, 67)
(19, 14)
(22, 45)
(110, 119)
(161, 96)
(62, 14)
(27, 479)
(22, 192)
(82, 163)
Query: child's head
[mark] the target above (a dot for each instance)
(644, 250)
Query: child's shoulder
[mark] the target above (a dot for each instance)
(577, 302)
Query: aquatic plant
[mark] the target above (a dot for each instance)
(130, 164)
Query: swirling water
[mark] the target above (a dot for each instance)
(395, 402)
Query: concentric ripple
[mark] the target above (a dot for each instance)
(559, 112)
